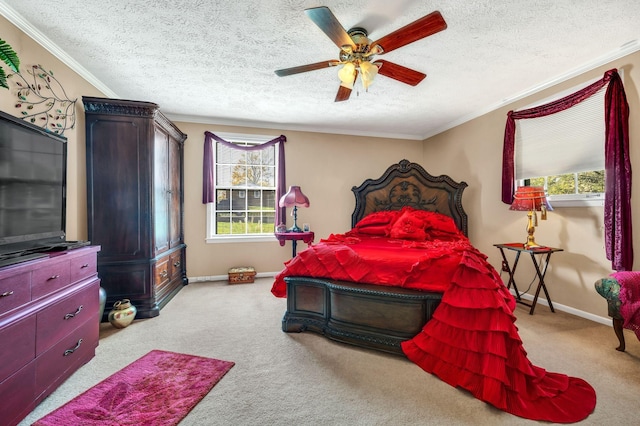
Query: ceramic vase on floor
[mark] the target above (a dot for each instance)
(122, 314)
(103, 302)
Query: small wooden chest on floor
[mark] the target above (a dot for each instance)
(241, 275)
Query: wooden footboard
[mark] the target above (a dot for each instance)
(370, 316)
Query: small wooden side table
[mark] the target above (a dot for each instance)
(294, 237)
(520, 248)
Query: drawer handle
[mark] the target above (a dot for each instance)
(53, 277)
(164, 274)
(177, 264)
(72, 350)
(6, 293)
(69, 316)
(86, 265)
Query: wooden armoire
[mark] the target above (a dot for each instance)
(135, 200)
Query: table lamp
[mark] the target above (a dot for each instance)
(531, 199)
(294, 198)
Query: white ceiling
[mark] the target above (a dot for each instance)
(213, 61)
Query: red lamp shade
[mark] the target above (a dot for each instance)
(530, 198)
(294, 198)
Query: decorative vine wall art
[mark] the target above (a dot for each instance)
(43, 101)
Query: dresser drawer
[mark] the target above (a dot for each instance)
(175, 265)
(83, 267)
(14, 391)
(67, 355)
(161, 272)
(50, 278)
(17, 346)
(15, 290)
(62, 317)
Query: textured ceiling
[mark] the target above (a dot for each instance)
(213, 61)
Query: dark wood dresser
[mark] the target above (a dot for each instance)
(135, 201)
(49, 326)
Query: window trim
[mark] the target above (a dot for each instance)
(210, 237)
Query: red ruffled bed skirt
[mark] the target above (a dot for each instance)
(472, 342)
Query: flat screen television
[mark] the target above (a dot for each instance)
(33, 170)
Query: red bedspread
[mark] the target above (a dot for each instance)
(471, 341)
(421, 265)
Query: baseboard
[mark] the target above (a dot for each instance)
(226, 277)
(526, 296)
(569, 310)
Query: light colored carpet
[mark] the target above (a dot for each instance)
(305, 379)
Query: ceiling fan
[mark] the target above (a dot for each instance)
(357, 52)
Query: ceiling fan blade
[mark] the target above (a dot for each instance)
(305, 68)
(423, 27)
(344, 92)
(329, 24)
(400, 73)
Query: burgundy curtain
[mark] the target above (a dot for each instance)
(617, 167)
(208, 168)
(617, 218)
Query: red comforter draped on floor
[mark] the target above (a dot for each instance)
(471, 341)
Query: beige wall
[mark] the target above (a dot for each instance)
(473, 152)
(327, 166)
(30, 53)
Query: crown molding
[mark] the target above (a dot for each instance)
(285, 126)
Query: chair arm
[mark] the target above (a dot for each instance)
(609, 288)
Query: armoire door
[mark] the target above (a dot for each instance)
(175, 193)
(161, 191)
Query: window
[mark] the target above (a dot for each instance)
(245, 190)
(564, 152)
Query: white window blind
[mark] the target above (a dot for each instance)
(570, 141)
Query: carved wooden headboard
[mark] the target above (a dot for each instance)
(408, 184)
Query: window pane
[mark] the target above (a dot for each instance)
(254, 226)
(239, 220)
(268, 176)
(223, 226)
(254, 157)
(591, 182)
(539, 181)
(269, 155)
(269, 200)
(254, 201)
(223, 175)
(223, 197)
(268, 222)
(238, 199)
(223, 154)
(561, 184)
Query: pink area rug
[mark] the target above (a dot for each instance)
(158, 389)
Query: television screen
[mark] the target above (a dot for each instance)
(32, 186)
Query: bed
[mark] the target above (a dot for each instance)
(369, 315)
(406, 280)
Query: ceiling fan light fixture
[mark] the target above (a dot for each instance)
(347, 74)
(368, 72)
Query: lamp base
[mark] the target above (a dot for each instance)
(295, 227)
(531, 242)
